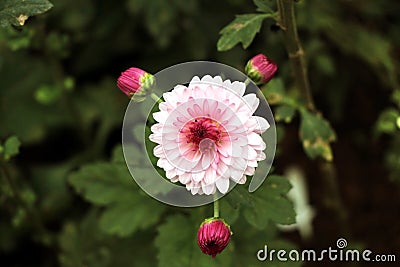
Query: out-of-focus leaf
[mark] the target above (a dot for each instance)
(48, 94)
(387, 121)
(268, 203)
(263, 5)
(229, 211)
(284, 113)
(15, 12)
(111, 185)
(242, 29)
(84, 244)
(274, 91)
(396, 97)
(11, 147)
(177, 245)
(325, 64)
(316, 135)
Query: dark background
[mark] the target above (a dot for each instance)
(58, 94)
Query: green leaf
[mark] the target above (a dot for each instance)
(263, 6)
(274, 91)
(126, 208)
(15, 12)
(388, 121)
(103, 183)
(177, 245)
(83, 244)
(11, 147)
(268, 203)
(316, 135)
(242, 29)
(284, 113)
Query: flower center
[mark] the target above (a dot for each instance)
(203, 133)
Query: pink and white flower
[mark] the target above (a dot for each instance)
(207, 134)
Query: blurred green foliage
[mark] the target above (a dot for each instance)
(67, 199)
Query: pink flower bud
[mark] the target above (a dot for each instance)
(213, 236)
(260, 69)
(133, 82)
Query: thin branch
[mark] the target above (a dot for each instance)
(287, 22)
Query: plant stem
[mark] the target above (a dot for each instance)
(156, 98)
(247, 81)
(216, 206)
(287, 22)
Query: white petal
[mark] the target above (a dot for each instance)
(236, 175)
(238, 87)
(211, 176)
(263, 124)
(158, 151)
(160, 116)
(208, 189)
(222, 185)
(242, 180)
(198, 176)
(170, 173)
(254, 139)
(207, 159)
(184, 178)
(261, 156)
(249, 170)
(252, 101)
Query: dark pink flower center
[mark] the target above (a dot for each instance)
(203, 132)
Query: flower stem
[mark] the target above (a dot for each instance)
(216, 206)
(287, 23)
(156, 98)
(247, 81)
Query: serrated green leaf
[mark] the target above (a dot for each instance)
(11, 147)
(316, 135)
(268, 203)
(110, 185)
(15, 12)
(177, 245)
(125, 217)
(284, 113)
(242, 29)
(103, 183)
